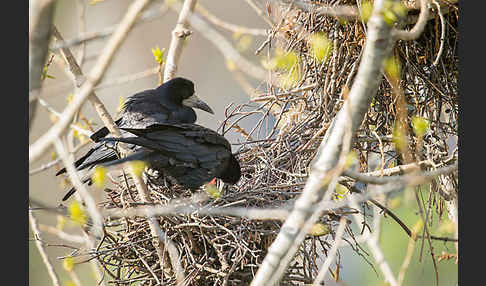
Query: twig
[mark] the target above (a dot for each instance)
(158, 235)
(409, 177)
(57, 114)
(408, 257)
(442, 33)
(37, 148)
(416, 31)
(228, 26)
(63, 235)
(45, 258)
(179, 34)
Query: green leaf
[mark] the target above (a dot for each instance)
(286, 61)
(68, 263)
(393, 68)
(321, 46)
(137, 167)
(158, 55)
(244, 43)
(420, 126)
(76, 213)
(366, 9)
(213, 191)
(99, 176)
(318, 229)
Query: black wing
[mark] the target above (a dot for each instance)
(189, 153)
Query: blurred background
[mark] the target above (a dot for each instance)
(216, 84)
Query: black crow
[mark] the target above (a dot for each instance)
(171, 102)
(187, 154)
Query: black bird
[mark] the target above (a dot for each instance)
(187, 154)
(171, 102)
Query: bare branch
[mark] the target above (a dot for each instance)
(228, 26)
(416, 175)
(179, 34)
(442, 33)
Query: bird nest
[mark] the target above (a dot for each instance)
(275, 156)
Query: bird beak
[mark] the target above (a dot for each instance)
(195, 102)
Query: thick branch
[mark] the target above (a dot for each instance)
(179, 34)
(41, 17)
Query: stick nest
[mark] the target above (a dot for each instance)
(276, 153)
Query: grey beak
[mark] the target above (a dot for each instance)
(195, 102)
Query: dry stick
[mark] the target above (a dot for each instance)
(41, 13)
(442, 33)
(38, 148)
(331, 254)
(407, 259)
(419, 26)
(50, 269)
(378, 46)
(228, 26)
(179, 34)
(385, 180)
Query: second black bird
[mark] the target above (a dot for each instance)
(187, 154)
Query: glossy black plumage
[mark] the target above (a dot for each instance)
(171, 102)
(188, 154)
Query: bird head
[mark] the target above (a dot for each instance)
(183, 90)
